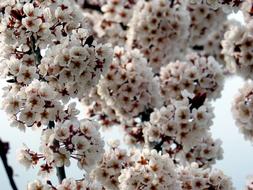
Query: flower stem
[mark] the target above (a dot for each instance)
(60, 171)
(3, 151)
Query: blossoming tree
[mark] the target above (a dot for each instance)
(149, 67)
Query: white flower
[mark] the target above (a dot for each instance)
(182, 114)
(25, 158)
(61, 133)
(32, 24)
(38, 185)
(241, 109)
(69, 183)
(35, 103)
(28, 116)
(46, 92)
(29, 10)
(62, 158)
(26, 74)
(18, 124)
(80, 143)
(11, 104)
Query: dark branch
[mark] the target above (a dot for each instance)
(4, 147)
(172, 3)
(87, 5)
(198, 48)
(145, 115)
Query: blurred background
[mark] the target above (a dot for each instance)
(238, 153)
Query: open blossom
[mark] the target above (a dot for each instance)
(25, 158)
(242, 110)
(198, 75)
(149, 170)
(61, 158)
(129, 87)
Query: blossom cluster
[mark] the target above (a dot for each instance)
(72, 53)
(41, 84)
(237, 48)
(242, 110)
(69, 183)
(162, 27)
(109, 168)
(149, 170)
(97, 108)
(181, 129)
(226, 5)
(129, 86)
(74, 66)
(134, 132)
(198, 74)
(42, 21)
(203, 21)
(79, 140)
(194, 177)
(212, 44)
(155, 79)
(35, 105)
(180, 121)
(204, 153)
(111, 25)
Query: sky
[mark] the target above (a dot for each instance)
(238, 153)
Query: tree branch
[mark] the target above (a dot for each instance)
(60, 172)
(4, 147)
(87, 5)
